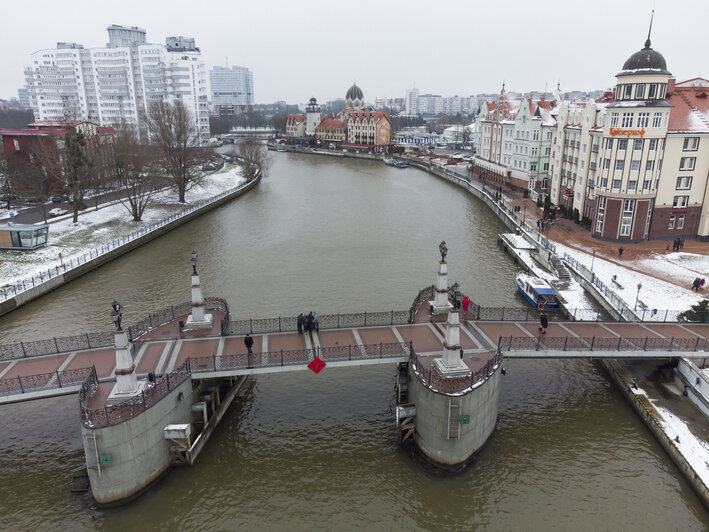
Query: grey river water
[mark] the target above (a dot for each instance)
(303, 452)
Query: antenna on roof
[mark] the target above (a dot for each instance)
(649, 31)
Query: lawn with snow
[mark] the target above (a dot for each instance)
(113, 220)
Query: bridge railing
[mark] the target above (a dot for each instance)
(596, 343)
(45, 381)
(116, 413)
(430, 378)
(64, 344)
(289, 357)
(327, 321)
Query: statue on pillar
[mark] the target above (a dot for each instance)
(443, 249)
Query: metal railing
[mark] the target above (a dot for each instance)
(46, 381)
(28, 283)
(64, 344)
(327, 321)
(433, 380)
(116, 413)
(425, 294)
(290, 357)
(597, 343)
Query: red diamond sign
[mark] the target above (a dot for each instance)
(317, 365)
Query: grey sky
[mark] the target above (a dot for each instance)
(299, 49)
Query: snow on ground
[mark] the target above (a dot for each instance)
(112, 220)
(655, 293)
(694, 450)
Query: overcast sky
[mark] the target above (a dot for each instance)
(299, 49)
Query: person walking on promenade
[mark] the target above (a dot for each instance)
(466, 304)
(543, 322)
(696, 284)
(311, 321)
(317, 321)
(620, 252)
(681, 244)
(300, 323)
(249, 342)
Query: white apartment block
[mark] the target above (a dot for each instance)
(117, 83)
(232, 86)
(435, 104)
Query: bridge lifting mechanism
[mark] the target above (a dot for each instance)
(405, 411)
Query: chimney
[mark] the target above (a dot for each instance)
(671, 86)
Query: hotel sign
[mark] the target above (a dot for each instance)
(617, 132)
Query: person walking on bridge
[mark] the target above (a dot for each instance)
(543, 322)
(249, 342)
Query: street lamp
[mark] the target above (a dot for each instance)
(193, 260)
(640, 285)
(117, 314)
(456, 294)
(593, 258)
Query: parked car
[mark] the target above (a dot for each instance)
(58, 199)
(57, 211)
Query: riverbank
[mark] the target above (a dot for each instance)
(72, 266)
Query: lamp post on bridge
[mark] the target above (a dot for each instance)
(640, 285)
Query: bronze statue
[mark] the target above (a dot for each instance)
(443, 249)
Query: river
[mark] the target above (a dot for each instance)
(303, 452)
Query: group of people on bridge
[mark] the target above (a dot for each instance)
(308, 322)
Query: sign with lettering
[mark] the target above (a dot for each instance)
(105, 459)
(617, 132)
(465, 419)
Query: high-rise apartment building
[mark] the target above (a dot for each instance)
(117, 83)
(232, 86)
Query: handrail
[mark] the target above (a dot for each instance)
(602, 343)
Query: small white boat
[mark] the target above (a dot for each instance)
(537, 291)
(389, 162)
(400, 164)
(281, 147)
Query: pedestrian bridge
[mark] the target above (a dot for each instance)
(57, 366)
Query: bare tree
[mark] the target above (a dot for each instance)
(7, 187)
(75, 165)
(39, 176)
(135, 168)
(174, 131)
(251, 155)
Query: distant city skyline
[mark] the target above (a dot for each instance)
(452, 50)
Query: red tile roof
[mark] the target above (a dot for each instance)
(295, 119)
(369, 115)
(44, 132)
(332, 123)
(691, 108)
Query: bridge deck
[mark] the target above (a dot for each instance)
(164, 348)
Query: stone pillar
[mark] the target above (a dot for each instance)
(440, 301)
(127, 383)
(451, 364)
(198, 319)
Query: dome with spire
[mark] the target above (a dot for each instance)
(354, 93)
(647, 61)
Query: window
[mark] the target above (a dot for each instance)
(687, 163)
(609, 144)
(638, 144)
(652, 90)
(601, 212)
(657, 120)
(627, 92)
(604, 182)
(672, 222)
(646, 185)
(680, 222)
(614, 119)
(639, 91)
(622, 144)
(626, 220)
(619, 164)
(684, 183)
(616, 184)
(653, 144)
(627, 120)
(691, 144)
(680, 202)
(643, 119)
(17, 144)
(650, 166)
(634, 166)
